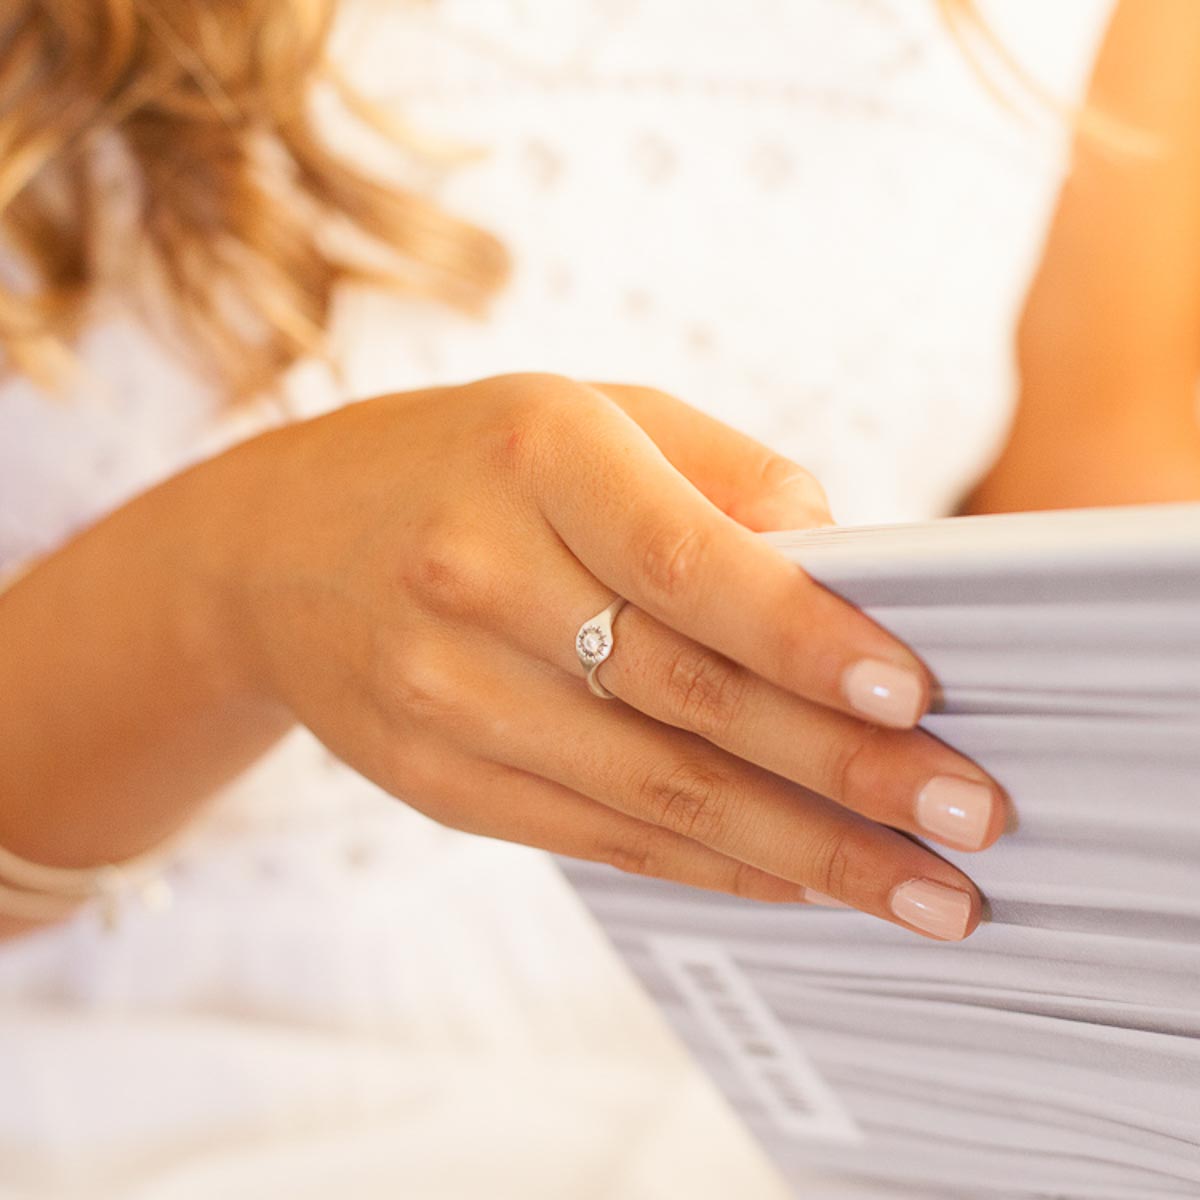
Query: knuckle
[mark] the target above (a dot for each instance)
(774, 471)
(706, 692)
(690, 800)
(852, 763)
(448, 574)
(671, 559)
(778, 480)
(641, 855)
(746, 881)
(534, 398)
(515, 443)
(418, 683)
(834, 865)
(776, 474)
(534, 419)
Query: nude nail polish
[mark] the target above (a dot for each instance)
(811, 896)
(933, 908)
(884, 693)
(955, 810)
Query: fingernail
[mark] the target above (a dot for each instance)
(815, 897)
(886, 694)
(956, 810)
(933, 908)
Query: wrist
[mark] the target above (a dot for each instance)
(218, 575)
(127, 700)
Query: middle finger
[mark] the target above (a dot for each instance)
(535, 718)
(903, 778)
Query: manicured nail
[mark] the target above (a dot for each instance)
(815, 897)
(883, 693)
(933, 907)
(956, 810)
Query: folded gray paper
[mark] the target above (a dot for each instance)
(1056, 1052)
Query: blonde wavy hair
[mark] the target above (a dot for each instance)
(1020, 92)
(230, 197)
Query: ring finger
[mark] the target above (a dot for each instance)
(551, 727)
(903, 778)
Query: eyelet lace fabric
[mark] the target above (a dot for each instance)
(804, 216)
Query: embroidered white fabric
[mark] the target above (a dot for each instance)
(805, 216)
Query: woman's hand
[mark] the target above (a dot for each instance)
(407, 576)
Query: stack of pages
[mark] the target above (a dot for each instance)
(1056, 1052)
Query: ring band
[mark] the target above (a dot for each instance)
(594, 644)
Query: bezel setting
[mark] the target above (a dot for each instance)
(593, 644)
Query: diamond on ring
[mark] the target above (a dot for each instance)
(594, 643)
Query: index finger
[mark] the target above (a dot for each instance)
(640, 526)
(746, 480)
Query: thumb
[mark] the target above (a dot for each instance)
(746, 480)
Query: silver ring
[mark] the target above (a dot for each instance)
(594, 644)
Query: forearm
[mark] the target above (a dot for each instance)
(122, 707)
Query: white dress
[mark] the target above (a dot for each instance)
(805, 216)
